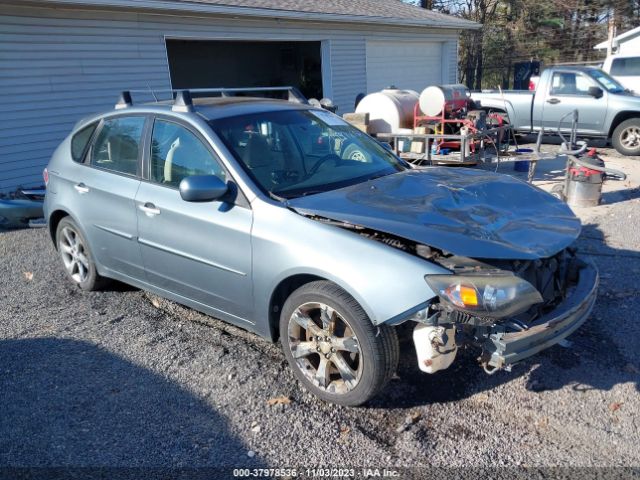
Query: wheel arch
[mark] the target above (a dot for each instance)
(53, 222)
(292, 282)
(621, 117)
(280, 294)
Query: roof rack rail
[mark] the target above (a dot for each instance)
(183, 98)
(124, 100)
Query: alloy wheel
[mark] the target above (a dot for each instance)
(325, 348)
(630, 137)
(73, 253)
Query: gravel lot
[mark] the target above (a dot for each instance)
(121, 378)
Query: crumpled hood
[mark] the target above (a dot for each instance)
(472, 213)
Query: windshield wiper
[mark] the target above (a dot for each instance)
(277, 197)
(378, 175)
(302, 194)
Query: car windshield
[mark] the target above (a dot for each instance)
(609, 83)
(295, 153)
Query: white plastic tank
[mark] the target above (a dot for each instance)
(389, 110)
(433, 99)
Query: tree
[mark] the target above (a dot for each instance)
(549, 31)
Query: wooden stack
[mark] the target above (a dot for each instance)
(359, 120)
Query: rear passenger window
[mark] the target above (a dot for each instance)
(177, 153)
(79, 142)
(117, 147)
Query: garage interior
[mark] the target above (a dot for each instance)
(224, 63)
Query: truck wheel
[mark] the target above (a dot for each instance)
(332, 346)
(626, 137)
(76, 256)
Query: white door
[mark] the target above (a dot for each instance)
(404, 64)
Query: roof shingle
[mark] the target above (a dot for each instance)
(366, 10)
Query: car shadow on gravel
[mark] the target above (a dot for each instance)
(617, 196)
(72, 404)
(589, 360)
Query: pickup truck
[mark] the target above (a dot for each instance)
(605, 108)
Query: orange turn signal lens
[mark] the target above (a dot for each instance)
(462, 295)
(468, 296)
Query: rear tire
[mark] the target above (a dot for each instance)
(626, 137)
(76, 256)
(333, 348)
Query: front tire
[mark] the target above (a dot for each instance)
(626, 137)
(332, 346)
(76, 256)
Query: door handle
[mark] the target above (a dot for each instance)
(553, 101)
(81, 188)
(150, 209)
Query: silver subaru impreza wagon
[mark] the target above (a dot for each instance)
(281, 218)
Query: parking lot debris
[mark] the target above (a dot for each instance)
(615, 406)
(408, 421)
(281, 400)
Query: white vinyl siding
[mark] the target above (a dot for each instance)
(59, 65)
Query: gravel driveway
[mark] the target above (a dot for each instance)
(122, 378)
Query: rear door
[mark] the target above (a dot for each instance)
(568, 91)
(199, 251)
(106, 190)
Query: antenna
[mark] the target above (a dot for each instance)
(152, 93)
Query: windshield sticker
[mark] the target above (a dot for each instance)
(329, 118)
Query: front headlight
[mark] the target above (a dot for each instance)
(494, 296)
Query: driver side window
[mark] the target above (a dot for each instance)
(177, 153)
(568, 83)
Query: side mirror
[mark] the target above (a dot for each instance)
(595, 92)
(202, 188)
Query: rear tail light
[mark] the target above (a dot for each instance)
(45, 176)
(532, 85)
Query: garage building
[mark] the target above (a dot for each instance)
(61, 60)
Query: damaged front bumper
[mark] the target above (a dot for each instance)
(504, 348)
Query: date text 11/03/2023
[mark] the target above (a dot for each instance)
(316, 473)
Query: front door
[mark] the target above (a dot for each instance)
(198, 250)
(568, 91)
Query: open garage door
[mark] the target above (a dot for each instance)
(407, 65)
(222, 63)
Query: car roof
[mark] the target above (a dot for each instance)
(224, 107)
(209, 108)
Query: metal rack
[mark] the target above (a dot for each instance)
(465, 156)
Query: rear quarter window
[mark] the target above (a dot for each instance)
(626, 67)
(80, 141)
